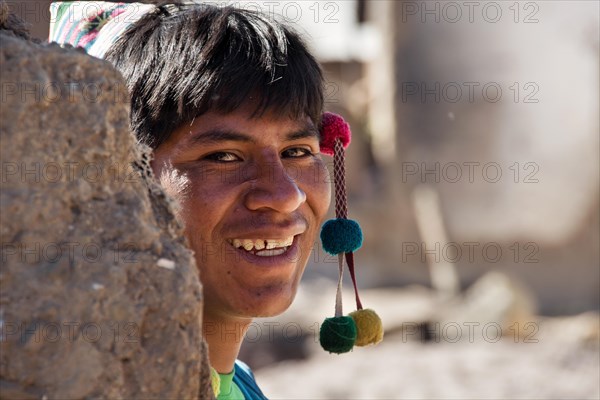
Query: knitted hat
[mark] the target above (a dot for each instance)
(93, 25)
(342, 236)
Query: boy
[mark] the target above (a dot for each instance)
(230, 102)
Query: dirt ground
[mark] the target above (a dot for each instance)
(560, 360)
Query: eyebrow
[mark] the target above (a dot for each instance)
(305, 133)
(215, 136)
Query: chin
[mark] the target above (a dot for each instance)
(271, 312)
(265, 304)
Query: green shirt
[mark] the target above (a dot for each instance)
(228, 389)
(239, 384)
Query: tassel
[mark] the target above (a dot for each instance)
(342, 236)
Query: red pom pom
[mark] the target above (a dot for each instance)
(332, 127)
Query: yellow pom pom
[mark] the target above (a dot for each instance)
(369, 327)
(215, 380)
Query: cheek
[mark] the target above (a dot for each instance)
(317, 187)
(200, 215)
(207, 200)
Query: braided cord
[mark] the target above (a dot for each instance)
(350, 262)
(339, 177)
(341, 211)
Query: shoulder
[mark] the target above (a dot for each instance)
(245, 380)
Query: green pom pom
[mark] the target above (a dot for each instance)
(369, 327)
(341, 235)
(338, 334)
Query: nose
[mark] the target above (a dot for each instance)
(274, 189)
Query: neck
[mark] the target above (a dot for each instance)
(224, 336)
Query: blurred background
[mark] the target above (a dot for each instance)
(474, 173)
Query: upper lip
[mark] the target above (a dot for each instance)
(268, 234)
(270, 231)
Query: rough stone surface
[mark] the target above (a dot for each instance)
(86, 308)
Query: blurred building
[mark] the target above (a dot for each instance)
(495, 109)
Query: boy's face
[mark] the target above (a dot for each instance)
(253, 195)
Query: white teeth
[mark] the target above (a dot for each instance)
(275, 243)
(276, 246)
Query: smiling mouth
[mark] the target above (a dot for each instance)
(263, 247)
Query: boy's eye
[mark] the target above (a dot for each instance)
(222, 156)
(296, 152)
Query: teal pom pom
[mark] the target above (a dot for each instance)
(341, 236)
(338, 334)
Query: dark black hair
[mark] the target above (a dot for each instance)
(181, 61)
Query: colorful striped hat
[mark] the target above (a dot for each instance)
(93, 25)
